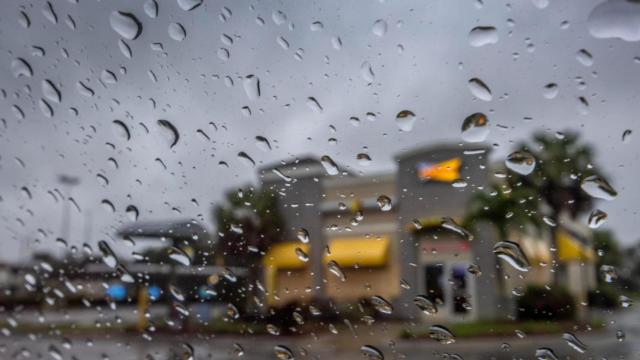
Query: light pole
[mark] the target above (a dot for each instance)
(68, 182)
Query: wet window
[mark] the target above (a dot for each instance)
(199, 179)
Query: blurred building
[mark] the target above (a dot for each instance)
(385, 234)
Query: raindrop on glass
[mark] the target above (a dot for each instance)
(475, 128)
(511, 253)
(479, 89)
(521, 162)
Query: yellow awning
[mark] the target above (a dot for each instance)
(347, 252)
(367, 252)
(571, 249)
(364, 252)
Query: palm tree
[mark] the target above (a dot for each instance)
(551, 189)
(505, 208)
(561, 162)
(248, 224)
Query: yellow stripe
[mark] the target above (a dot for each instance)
(347, 252)
(570, 248)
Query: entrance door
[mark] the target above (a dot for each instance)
(450, 287)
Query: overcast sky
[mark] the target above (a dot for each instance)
(421, 63)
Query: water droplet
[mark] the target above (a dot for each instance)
(597, 218)
(425, 305)
(441, 334)
(615, 19)
(283, 353)
(405, 120)
(381, 304)
(545, 354)
(124, 274)
(282, 42)
(303, 235)
(550, 91)
(314, 105)
(223, 54)
(335, 269)
(132, 212)
(251, 85)
(366, 71)
(521, 162)
(125, 49)
(246, 159)
(620, 335)
(237, 350)
(449, 224)
(55, 353)
(336, 42)
(179, 256)
(188, 5)
(24, 20)
(483, 35)
(301, 255)
(49, 13)
(474, 269)
(108, 205)
(626, 136)
(84, 89)
(384, 202)
(549, 221)
(262, 143)
(405, 284)
(170, 130)
(584, 57)
(177, 32)
(459, 183)
(511, 253)
(608, 273)
(475, 128)
(151, 8)
(121, 129)
(20, 67)
(540, 4)
(278, 17)
(598, 187)
(363, 159)
(329, 165)
(316, 26)
(46, 109)
(625, 301)
(379, 27)
(108, 256)
(370, 352)
(125, 24)
(50, 91)
(232, 312)
(574, 342)
(479, 89)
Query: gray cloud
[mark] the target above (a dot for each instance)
(429, 77)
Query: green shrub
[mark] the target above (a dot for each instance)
(605, 297)
(538, 303)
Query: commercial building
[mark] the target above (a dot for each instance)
(385, 234)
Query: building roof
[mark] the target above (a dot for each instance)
(181, 229)
(442, 147)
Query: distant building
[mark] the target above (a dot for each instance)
(400, 250)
